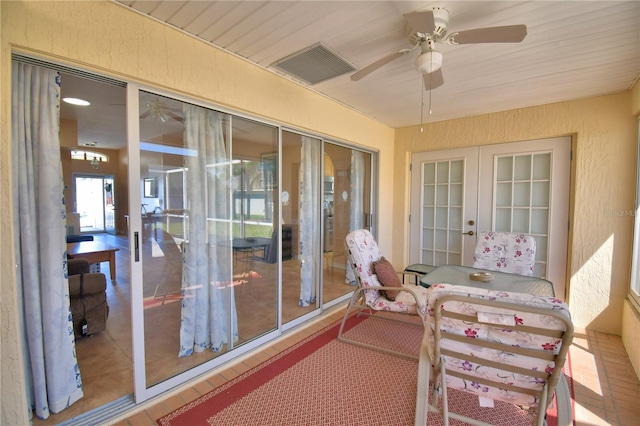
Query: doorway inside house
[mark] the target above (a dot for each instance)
(95, 203)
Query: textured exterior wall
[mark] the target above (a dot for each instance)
(107, 38)
(604, 161)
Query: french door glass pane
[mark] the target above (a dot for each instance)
(442, 204)
(522, 197)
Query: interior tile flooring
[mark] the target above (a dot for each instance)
(606, 389)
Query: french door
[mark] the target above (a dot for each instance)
(515, 187)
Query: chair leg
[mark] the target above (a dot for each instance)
(541, 409)
(445, 401)
(352, 302)
(424, 373)
(563, 402)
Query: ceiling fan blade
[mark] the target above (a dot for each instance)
(174, 116)
(421, 22)
(506, 34)
(433, 80)
(145, 114)
(379, 63)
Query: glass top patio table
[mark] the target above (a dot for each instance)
(459, 275)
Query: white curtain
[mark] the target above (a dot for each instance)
(356, 214)
(309, 221)
(208, 304)
(39, 224)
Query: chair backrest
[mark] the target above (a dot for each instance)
(505, 252)
(362, 251)
(500, 345)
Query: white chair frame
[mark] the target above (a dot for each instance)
(553, 382)
(357, 303)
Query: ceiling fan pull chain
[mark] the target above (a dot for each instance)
(422, 104)
(430, 86)
(429, 99)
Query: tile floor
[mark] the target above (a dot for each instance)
(105, 359)
(606, 390)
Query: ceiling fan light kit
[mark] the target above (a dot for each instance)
(429, 62)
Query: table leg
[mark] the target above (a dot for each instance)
(112, 265)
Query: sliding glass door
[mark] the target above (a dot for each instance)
(239, 235)
(301, 249)
(207, 192)
(254, 242)
(346, 202)
(235, 231)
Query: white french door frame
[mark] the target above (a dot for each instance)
(433, 194)
(554, 260)
(479, 200)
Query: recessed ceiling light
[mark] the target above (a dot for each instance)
(76, 101)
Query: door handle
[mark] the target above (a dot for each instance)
(469, 233)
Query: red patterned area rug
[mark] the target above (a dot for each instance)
(321, 381)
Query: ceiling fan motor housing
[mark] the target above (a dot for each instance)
(441, 21)
(440, 27)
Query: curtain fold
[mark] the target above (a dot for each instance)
(356, 214)
(208, 315)
(310, 255)
(39, 224)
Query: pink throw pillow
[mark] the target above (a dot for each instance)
(387, 276)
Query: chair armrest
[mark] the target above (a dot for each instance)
(77, 266)
(416, 275)
(93, 283)
(383, 288)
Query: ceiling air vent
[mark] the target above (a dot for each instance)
(314, 64)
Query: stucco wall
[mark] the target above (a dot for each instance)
(107, 38)
(603, 182)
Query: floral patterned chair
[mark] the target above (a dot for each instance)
(498, 345)
(505, 252)
(374, 278)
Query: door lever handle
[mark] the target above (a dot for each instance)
(469, 233)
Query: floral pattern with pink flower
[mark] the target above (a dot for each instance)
(505, 252)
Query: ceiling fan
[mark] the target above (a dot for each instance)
(428, 27)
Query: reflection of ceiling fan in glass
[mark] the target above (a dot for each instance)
(159, 111)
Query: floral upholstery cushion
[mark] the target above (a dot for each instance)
(364, 251)
(505, 252)
(387, 276)
(515, 338)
